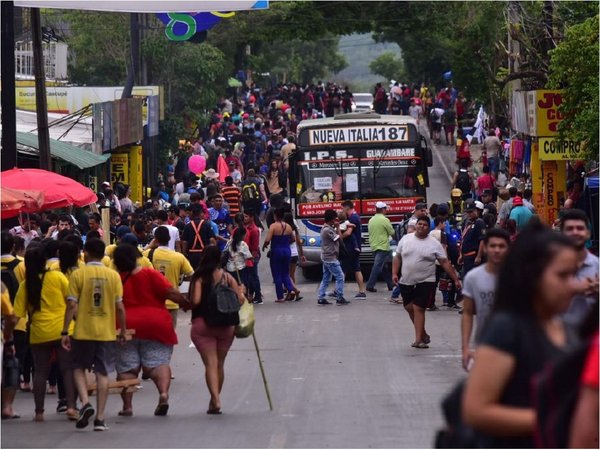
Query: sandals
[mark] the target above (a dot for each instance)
(126, 413)
(419, 345)
(161, 409)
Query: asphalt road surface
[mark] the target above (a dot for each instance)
(339, 377)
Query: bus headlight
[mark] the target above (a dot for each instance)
(312, 241)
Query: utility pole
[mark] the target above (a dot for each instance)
(40, 91)
(514, 50)
(133, 67)
(9, 118)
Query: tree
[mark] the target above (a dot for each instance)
(574, 68)
(388, 66)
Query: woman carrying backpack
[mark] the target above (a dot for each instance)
(239, 254)
(212, 342)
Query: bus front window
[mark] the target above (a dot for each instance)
(390, 182)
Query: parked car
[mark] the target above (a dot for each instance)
(362, 102)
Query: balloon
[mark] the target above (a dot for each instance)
(197, 164)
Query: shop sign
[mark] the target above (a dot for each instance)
(119, 168)
(551, 149)
(543, 115)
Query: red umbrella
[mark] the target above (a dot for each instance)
(59, 191)
(14, 201)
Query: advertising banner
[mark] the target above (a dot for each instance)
(543, 116)
(367, 207)
(553, 150)
(135, 173)
(119, 168)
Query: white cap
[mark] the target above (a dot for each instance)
(105, 183)
(380, 205)
(479, 205)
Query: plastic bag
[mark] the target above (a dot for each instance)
(246, 326)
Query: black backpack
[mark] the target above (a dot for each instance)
(401, 229)
(9, 278)
(463, 181)
(222, 306)
(554, 393)
(250, 191)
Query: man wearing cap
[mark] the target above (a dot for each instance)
(380, 231)
(456, 205)
(420, 211)
(472, 235)
(520, 213)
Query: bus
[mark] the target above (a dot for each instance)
(363, 157)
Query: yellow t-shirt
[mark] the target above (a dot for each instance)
(7, 307)
(106, 261)
(47, 322)
(56, 266)
(96, 289)
(173, 265)
(20, 274)
(142, 261)
(110, 250)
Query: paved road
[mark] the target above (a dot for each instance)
(340, 377)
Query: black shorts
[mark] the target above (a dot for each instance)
(419, 294)
(99, 355)
(436, 126)
(351, 262)
(294, 260)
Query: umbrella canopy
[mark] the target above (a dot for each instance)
(59, 191)
(13, 201)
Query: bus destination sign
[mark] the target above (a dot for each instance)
(358, 135)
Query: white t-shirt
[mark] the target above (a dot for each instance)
(173, 235)
(418, 258)
(480, 285)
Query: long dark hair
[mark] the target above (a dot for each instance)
(68, 256)
(238, 237)
(519, 278)
(35, 261)
(209, 262)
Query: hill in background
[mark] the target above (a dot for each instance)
(359, 50)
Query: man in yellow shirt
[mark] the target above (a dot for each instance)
(96, 297)
(9, 389)
(173, 265)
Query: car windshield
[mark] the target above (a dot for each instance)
(363, 98)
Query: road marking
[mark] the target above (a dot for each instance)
(297, 379)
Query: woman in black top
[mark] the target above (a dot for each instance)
(212, 342)
(523, 333)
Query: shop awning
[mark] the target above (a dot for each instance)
(70, 153)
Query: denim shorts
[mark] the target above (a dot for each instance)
(144, 353)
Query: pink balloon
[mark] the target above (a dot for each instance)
(197, 164)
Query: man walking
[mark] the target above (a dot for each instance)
(196, 235)
(472, 235)
(574, 224)
(479, 288)
(96, 296)
(351, 262)
(380, 230)
(330, 249)
(416, 255)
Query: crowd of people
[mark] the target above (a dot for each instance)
(78, 295)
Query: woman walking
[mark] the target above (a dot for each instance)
(145, 291)
(279, 237)
(523, 333)
(43, 296)
(239, 256)
(296, 251)
(212, 342)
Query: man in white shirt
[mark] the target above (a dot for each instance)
(174, 240)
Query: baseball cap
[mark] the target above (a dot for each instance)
(517, 201)
(470, 205)
(455, 193)
(479, 205)
(421, 205)
(122, 230)
(487, 192)
(105, 183)
(129, 238)
(380, 205)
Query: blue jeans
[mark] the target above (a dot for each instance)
(332, 269)
(253, 280)
(380, 258)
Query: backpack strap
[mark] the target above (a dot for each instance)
(197, 237)
(12, 264)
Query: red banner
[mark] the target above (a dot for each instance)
(363, 207)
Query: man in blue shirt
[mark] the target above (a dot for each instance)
(220, 215)
(352, 261)
(520, 213)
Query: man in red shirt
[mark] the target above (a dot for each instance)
(252, 238)
(485, 181)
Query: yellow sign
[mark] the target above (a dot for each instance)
(554, 175)
(119, 168)
(135, 172)
(542, 111)
(553, 150)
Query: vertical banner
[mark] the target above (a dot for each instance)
(537, 179)
(554, 176)
(119, 168)
(97, 128)
(135, 173)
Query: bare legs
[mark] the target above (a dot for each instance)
(214, 362)
(417, 317)
(160, 375)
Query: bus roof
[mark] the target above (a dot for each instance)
(356, 118)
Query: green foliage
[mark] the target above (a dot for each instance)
(388, 66)
(574, 68)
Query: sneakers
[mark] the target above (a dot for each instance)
(85, 413)
(99, 425)
(342, 301)
(62, 406)
(433, 308)
(331, 294)
(360, 296)
(371, 289)
(323, 301)
(454, 306)
(258, 301)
